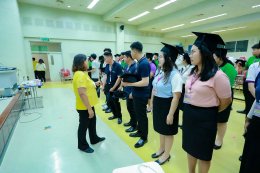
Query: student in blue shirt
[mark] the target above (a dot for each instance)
(112, 80)
(140, 93)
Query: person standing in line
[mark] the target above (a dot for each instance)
(155, 59)
(207, 92)
(167, 88)
(140, 93)
(111, 83)
(95, 71)
(149, 56)
(86, 99)
(41, 68)
(34, 62)
(228, 68)
(249, 99)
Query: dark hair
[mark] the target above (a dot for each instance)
(167, 66)
(107, 53)
(101, 59)
(137, 46)
(156, 54)
(221, 53)
(33, 58)
(93, 55)
(186, 57)
(209, 66)
(107, 50)
(128, 54)
(41, 61)
(78, 63)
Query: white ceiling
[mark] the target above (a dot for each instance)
(239, 14)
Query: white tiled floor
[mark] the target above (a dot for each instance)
(49, 144)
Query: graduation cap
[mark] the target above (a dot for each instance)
(241, 61)
(172, 51)
(131, 78)
(256, 46)
(180, 49)
(149, 55)
(120, 94)
(210, 41)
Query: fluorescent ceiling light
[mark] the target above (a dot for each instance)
(231, 29)
(138, 16)
(92, 4)
(176, 26)
(255, 6)
(164, 4)
(68, 6)
(212, 17)
(188, 35)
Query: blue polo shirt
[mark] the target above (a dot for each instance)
(113, 73)
(132, 69)
(143, 70)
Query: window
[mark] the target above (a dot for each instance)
(231, 46)
(242, 46)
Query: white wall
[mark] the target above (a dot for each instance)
(11, 45)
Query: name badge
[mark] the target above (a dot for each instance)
(186, 98)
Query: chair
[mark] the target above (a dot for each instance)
(65, 75)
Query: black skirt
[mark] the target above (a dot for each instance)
(199, 131)
(251, 152)
(161, 108)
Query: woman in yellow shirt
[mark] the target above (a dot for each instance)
(86, 97)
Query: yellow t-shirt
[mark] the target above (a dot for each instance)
(34, 65)
(82, 80)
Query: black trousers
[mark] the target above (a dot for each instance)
(41, 75)
(249, 98)
(86, 123)
(97, 88)
(130, 108)
(35, 74)
(141, 115)
(113, 102)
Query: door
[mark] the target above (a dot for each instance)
(55, 65)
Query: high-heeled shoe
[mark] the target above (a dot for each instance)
(154, 155)
(217, 147)
(163, 162)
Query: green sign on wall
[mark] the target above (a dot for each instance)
(39, 48)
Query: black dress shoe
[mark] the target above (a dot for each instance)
(136, 134)
(240, 158)
(242, 111)
(154, 155)
(119, 121)
(111, 118)
(217, 147)
(140, 143)
(127, 124)
(130, 129)
(163, 162)
(108, 111)
(98, 140)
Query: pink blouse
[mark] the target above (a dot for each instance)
(207, 93)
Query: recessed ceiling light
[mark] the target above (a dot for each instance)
(231, 29)
(255, 6)
(191, 35)
(212, 17)
(164, 4)
(138, 16)
(68, 6)
(176, 26)
(92, 4)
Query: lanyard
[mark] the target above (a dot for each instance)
(194, 78)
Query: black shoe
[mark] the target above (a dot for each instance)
(242, 111)
(88, 150)
(180, 126)
(148, 111)
(140, 143)
(136, 134)
(154, 155)
(161, 163)
(98, 140)
(131, 129)
(119, 121)
(240, 158)
(111, 118)
(127, 124)
(108, 110)
(217, 147)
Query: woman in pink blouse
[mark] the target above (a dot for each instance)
(207, 92)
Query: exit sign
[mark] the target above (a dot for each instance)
(45, 39)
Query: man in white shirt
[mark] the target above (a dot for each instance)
(95, 71)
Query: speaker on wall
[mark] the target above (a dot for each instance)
(122, 27)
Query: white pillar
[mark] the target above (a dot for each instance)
(120, 38)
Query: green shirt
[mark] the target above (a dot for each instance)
(123, 64)
(230, 71)
(156, 62)
(251, 60)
